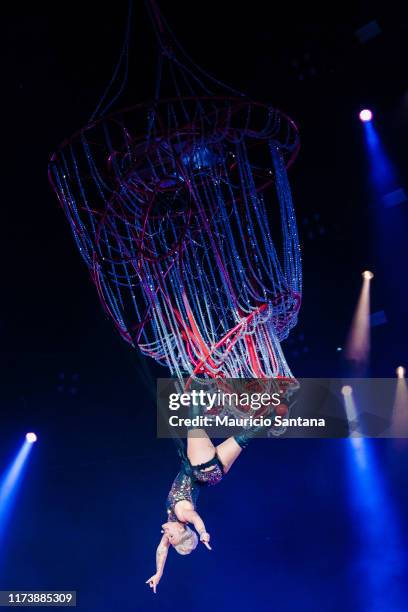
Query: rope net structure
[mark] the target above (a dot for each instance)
(182, 210)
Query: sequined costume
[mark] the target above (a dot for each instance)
(189, 480)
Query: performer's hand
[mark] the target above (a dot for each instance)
(154, 581)
(205, 539)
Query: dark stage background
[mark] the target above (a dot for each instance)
(89, 511)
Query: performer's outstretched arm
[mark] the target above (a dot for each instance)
(161, 556)
(193, 517)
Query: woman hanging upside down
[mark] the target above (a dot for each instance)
(204, 465)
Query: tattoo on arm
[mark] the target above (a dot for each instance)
(161, 555)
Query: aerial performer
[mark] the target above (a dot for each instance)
(202, 465)
(182, 211)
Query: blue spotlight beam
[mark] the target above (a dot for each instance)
(389, 223)
(381, 558)
(10, 483)
(383, 177)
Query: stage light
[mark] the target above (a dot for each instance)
(400, 371)
(31, 437)
(399, 423)
(380, 554)
(365, 115)
(357, 350)
(10, 482)
(346, 390)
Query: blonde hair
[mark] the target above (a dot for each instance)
(188, 542)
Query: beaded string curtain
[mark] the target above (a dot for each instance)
(182, 210)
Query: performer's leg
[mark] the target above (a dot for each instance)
(228, 451)
(200, 449)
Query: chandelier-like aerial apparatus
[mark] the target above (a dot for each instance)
(182, 211)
